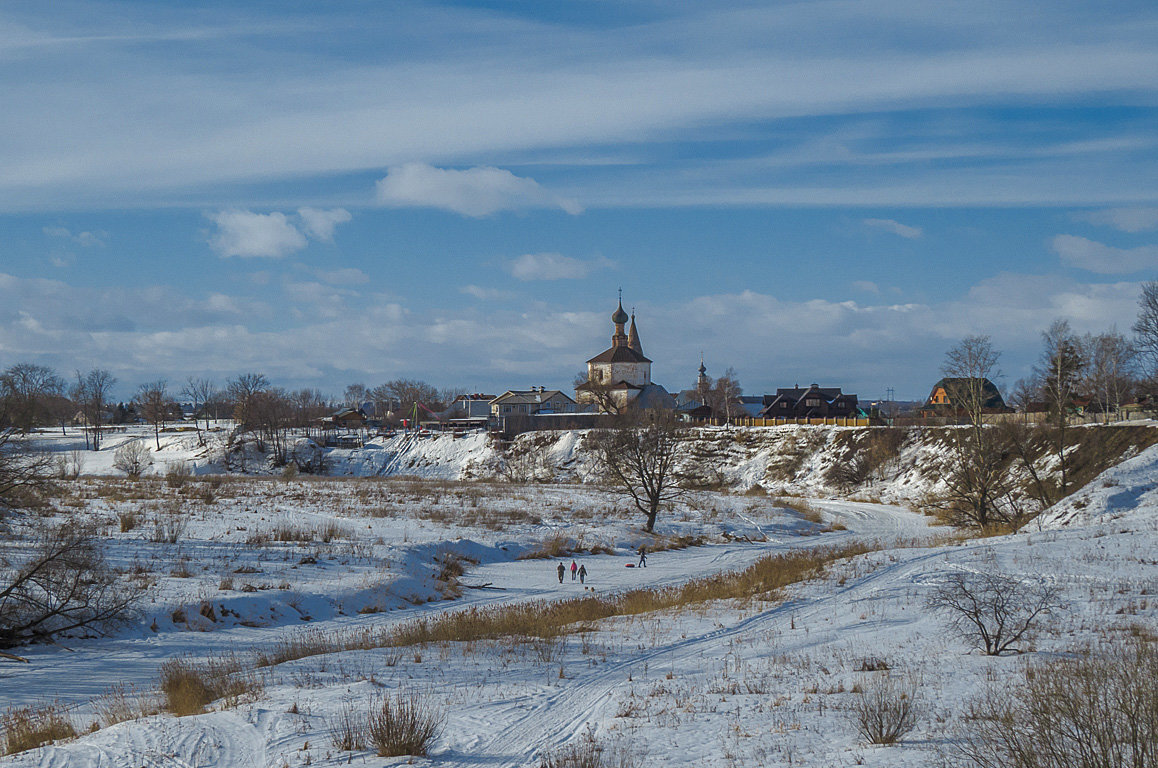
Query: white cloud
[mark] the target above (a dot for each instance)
(344, 276)
(476, 192)
(553, 266)
(1124, 219)
(867, 286)
(896, 227)
(485, 294)
(83, 239)
(1104, 259)
(248, 235)
(319, 223)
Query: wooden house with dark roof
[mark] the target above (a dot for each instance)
(814, 402)
(944, 399)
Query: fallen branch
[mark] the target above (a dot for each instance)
(12, 657)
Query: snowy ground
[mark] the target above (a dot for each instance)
(727, 684)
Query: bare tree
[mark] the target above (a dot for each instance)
(1146, 332)
(601, 393)
(1024, 393)
(91, 392)
(724, 395)
(1060, 370)
(992, 609)
(639, 456)
(1108, 373)
(355, 395)
(243, 392)
(26, 396)
(60, 582)
(407, 392)
(979, 485)
(200, 392)
(153, 400)
(24, 474)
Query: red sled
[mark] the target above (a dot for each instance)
(629, 565)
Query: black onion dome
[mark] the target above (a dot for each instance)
(620, 317)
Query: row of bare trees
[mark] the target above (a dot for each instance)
(995, 475)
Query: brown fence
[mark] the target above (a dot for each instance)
(831, 421)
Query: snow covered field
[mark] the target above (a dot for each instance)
(729, 683)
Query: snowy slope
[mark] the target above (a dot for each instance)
(1127, 492)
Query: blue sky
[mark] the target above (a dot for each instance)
(349, 191)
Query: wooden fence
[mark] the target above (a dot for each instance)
(750, 422)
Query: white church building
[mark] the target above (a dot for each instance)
(620, 376)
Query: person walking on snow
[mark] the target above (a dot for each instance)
(574, 568)
(562, 570)
(643, 557)
(582, 573)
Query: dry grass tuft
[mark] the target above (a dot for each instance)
(30, 727)
(404, 724)
(189, 688)
(765, 579)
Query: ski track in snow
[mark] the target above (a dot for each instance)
(226, 739)
(562, 714)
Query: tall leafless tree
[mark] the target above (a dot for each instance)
(92, 392)
(27, 392)
(355, 395)
(1108, 377)
(979, 485)
(639, 457)
(154, 402)
(243, 392)
(724, 395)
(24, 474)
(1146, 334)
(1060, 371)
(201, 393)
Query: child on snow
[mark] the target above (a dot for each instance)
(562, 570)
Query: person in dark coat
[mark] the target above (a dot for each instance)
(562, 570)
(643, 557)
(574, 568)
(582, 573)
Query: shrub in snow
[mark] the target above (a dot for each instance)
(992, 609)
(133, 458)
(886, 709)
(1094, 711)
(404, 724)
(588, 752)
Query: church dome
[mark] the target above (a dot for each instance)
(620, 317)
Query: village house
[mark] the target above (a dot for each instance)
(945, 398)
(528, 402)
(814, 402)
